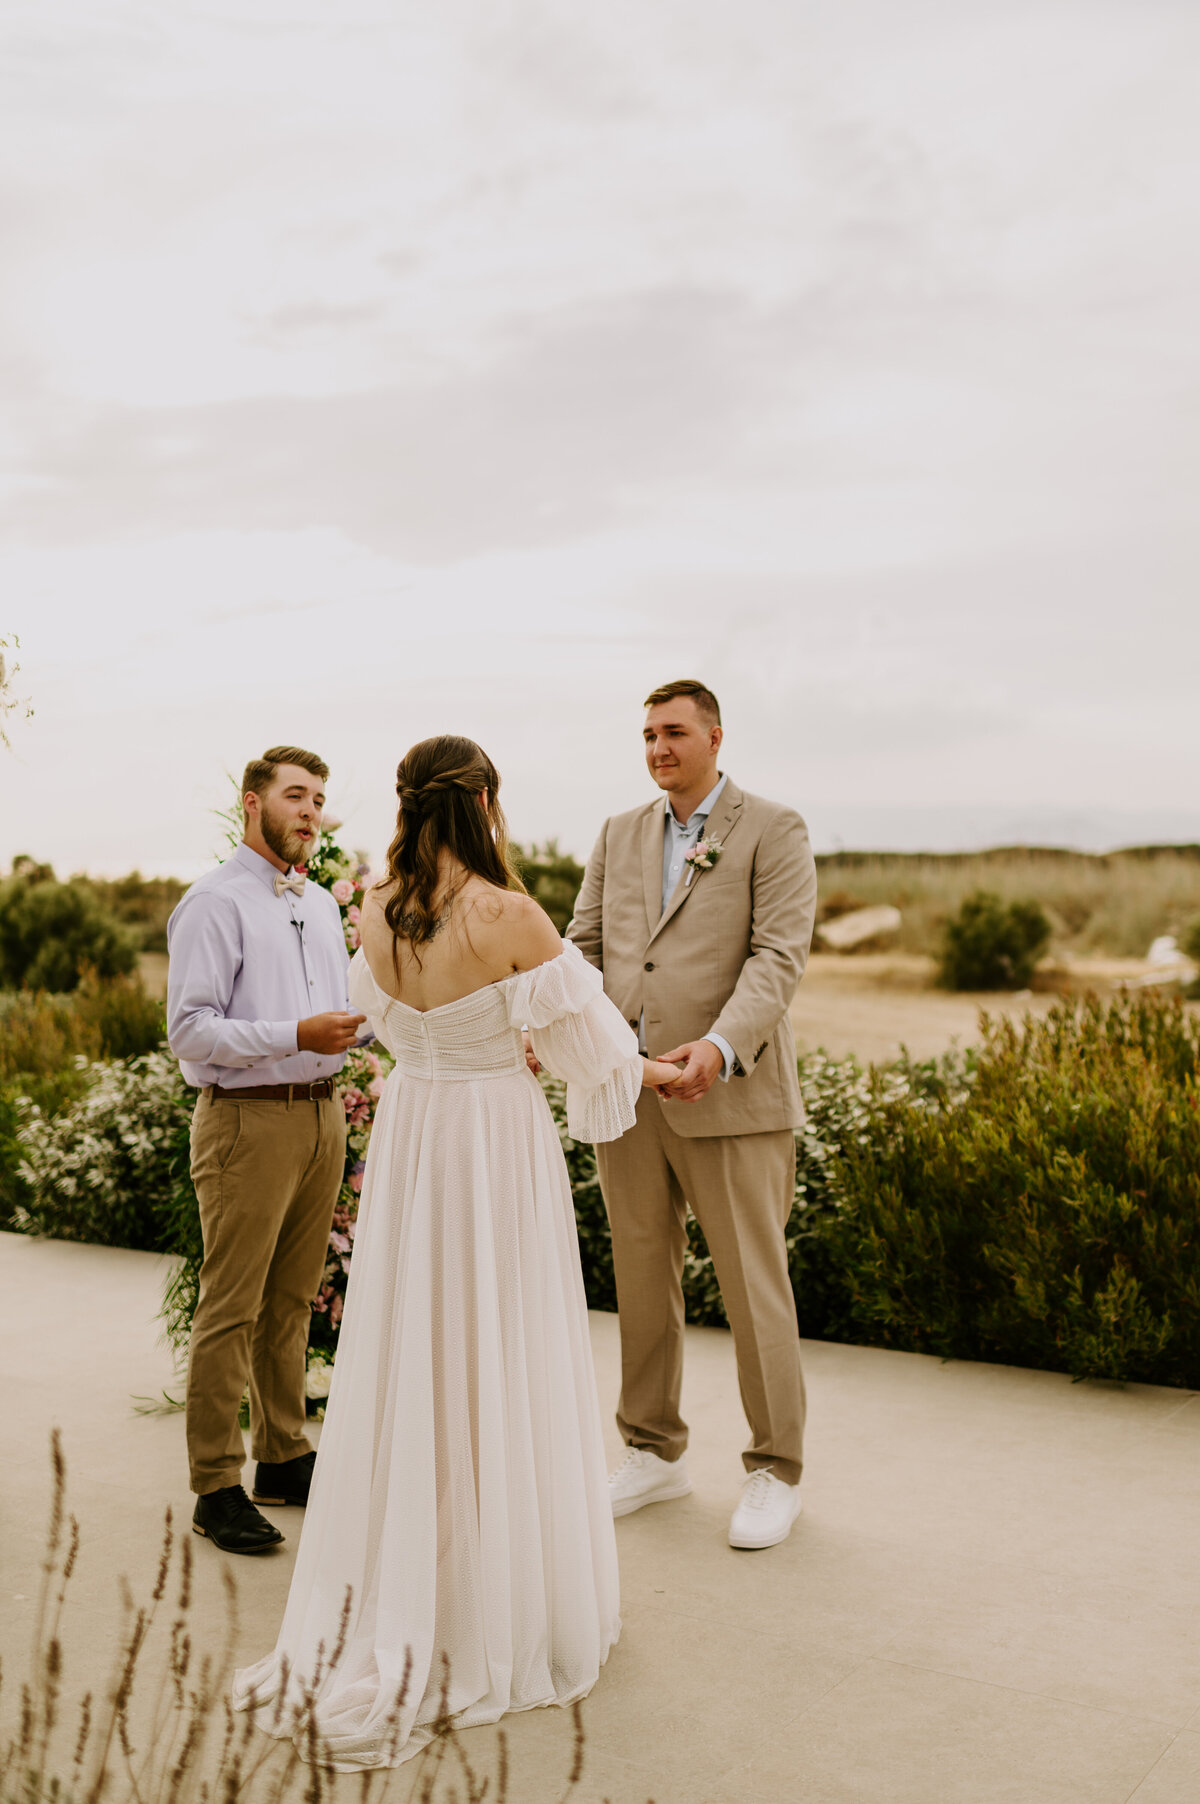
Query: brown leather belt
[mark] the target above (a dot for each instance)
(314, 1092)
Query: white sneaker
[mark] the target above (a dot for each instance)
(766, 1512)
(642, 1478)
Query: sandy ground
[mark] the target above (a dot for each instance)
(876, 1004)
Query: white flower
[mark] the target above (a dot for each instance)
(318, 1379)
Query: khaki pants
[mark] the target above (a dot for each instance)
(740, 1188)
(267, 1175)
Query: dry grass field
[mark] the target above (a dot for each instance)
(1110, 905)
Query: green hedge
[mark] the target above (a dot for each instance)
(1036, 1201)
(1048, 1217)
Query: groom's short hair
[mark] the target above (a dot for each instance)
(706, 702)
(259, 774)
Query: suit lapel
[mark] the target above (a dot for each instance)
(719, 825)
(653, 828)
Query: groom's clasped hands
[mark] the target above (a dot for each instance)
(699, 1065)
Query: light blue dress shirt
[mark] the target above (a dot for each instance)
(678, 841)
(247, 966)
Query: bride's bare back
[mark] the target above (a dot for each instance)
(488, 933)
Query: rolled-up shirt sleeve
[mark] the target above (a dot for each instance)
(205, 943)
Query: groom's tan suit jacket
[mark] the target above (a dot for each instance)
(725, 956)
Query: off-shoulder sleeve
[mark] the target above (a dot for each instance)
(366, 999)
(578, 1034)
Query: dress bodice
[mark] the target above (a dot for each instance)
(578, 1034)
(469, 1038)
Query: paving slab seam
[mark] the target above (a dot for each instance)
(1151, 1770)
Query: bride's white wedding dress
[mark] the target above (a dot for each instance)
(460, 1490)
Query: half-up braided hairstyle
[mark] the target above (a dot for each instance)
(438, 782)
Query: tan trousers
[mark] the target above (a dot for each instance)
(267, 1175)
(740, 1188)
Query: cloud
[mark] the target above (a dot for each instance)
(575, 422)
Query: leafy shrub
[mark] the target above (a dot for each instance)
(142, 903)
(842, 1104)
(41, 1036)
(992, 945)
(105, 1168)
(50, 933)
(1049, 1216)
(47, 1048)
(120, 1014)
(553, 877)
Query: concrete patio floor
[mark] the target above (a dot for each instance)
(991, 1595)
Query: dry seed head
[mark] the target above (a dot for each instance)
(25, 1735)
(72, 1554)
(160, 1583)
(343, 1628)
(85, 1729)
(185, 1576)
(577, 1760)
(281, 1695)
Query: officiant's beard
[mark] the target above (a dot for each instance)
(283, 838)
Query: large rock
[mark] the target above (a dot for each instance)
(846, 932)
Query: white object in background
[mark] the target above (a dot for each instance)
(1168, 965)
(845, 932)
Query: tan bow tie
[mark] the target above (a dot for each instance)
(295, 884)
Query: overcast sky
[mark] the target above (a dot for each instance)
(379, 370)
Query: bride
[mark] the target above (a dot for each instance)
(460, 1501)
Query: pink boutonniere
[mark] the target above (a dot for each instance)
(702, 857)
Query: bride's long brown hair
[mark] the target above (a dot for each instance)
(439, 782)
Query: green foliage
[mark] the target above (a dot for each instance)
(142, 904)
(105, 1168)
(1051, 1215)
(551, 876)
(48, 1045)
(1036, 1201)
(991, 945)
(119, 1015)
(51, 932)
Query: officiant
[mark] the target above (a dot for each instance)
(258, 1017)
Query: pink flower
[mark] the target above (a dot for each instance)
(355, 1181)
(354, 914)
(342, 891)
(352, 938)
(335, 1310)
(340, 1242)
(356, 1106)
(375, 1088)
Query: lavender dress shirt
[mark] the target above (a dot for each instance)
(246, 967)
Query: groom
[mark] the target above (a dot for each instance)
(257, 1017)
(698, 908)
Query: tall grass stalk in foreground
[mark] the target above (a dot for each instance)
(189, 1747)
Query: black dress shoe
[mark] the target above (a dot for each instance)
(230, 1519)
(288, 1482)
